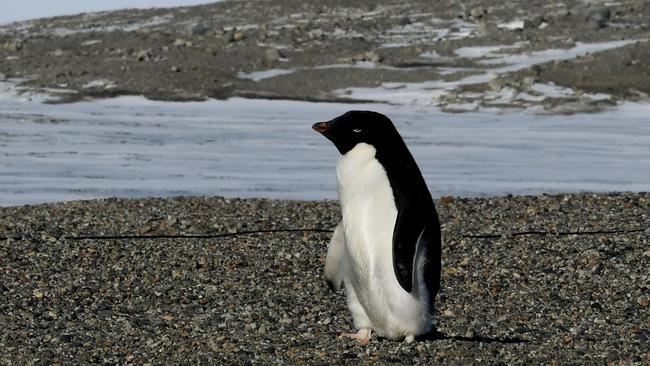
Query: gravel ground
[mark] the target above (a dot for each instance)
(531, 298)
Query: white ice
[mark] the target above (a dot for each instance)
(264, 74)
(486, 51)
(512, 25)
(271, 73)
(133, 147)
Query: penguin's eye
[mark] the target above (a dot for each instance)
(357, 130)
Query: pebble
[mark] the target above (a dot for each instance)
(212, 50)
(271, 56)
(477, 12)
(497, 83)
(236, 36)
(534, 22)
(404, 21)
(144, 55)
(15, 45)
(316, 34)
(370, 56)
(599, 17)
(38, 294)
(198, 29)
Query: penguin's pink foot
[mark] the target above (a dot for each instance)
(362, 336)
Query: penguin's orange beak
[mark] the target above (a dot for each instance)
(320, 127)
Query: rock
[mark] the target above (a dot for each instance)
(198, 29)
(367, 56)
(236, 36)
(3, 77)
(14, 46)
(373, 57)
(38, 294)
(271, 56)
(144, 55)
(179, 42)
(528, 81)
(145, 30)
(447, 200)
(212, 50)
(534, 22)
(598, 17)
(497, 83)
(482, 28)
(316, 34)
(175, 69)
(404, 21)
(477, 12)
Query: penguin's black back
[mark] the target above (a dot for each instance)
(416, 215)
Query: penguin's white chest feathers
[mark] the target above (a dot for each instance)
(368, 208)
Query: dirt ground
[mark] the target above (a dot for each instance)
(320, 48)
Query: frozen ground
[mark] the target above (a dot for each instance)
(133, 147)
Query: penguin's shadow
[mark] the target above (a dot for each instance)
(435, 335)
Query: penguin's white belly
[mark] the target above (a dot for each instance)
(369, 215)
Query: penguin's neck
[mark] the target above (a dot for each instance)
(362, 181)
(354, 171)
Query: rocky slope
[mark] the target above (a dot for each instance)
(318, 50)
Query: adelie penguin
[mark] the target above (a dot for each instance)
(385, 252)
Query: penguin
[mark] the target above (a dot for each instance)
(385, 252)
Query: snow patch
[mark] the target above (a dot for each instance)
(264, 74)
(513, 25)
(100, 83)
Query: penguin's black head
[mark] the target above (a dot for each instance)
(354, 127)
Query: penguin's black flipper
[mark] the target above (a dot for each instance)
(408, 229)
(416, 252)
(427, 266)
